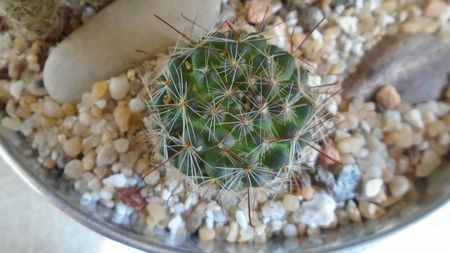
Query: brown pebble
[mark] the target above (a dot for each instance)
(388, 97)
(302, 229)
(329, 155)
(435, 8)
(48, 121)
(258, 11)
(23, 112)
(96, 112)
(68, 109)
(49, 163)
(99, 90)
(26, 101)
(390, 138)
(307, 192)
(122, 116)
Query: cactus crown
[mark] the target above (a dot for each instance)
(233, 109)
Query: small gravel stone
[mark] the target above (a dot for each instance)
(329, 155)
(122, 116)
(435, 128)
(106, 155)
(351, 145)
(353, 212)
(118, 87)
(16, 89)
(429, 162)
(373, 187)
(116, 180)
(241, 218)
(319, 211)
(206, 234)
(74, 169)
(291, 203)
(388, 97)
(290, 230)
(175, 224)
(121, 145)
(370, 210)
(156, 213)
(136, 105)
(99, 90)
(72, 147)
(414, 118)
(246, 234)
(51, 109)
(233, 232)
(258, 11)
(11, 123)
(444, 139)
(435, 8)
(274, 210)
(399, 186)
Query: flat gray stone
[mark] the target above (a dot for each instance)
(106, 45)
(418, 65)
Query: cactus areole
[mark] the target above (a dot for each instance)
(233, 109)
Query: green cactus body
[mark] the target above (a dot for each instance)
(233, 109)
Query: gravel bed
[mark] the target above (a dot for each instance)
(379, 148)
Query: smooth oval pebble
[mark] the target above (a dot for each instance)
(118, 87)
(109, 42)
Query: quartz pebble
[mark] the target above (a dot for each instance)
(329, 155)
(136, 105)
(206, 234)
(414, 118)
(373, 187)
(258, 10)
(116, 180)
(290, 230)
(118, 87)
(106, 155)
(429, 162)
(435, 8)
(121, 145)
(399, 186)
(388, 97)
(74, 169)
(370, 210)
(72, 147)
(175, 224)
(319, 211)
(291, 203)
(156, 213)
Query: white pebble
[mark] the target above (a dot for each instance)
(86, 199)
(373, 187)
(241, 218)
(232, 232)
(370, 210)
(291, 203)
(51, 109)
(118, 87)
(351, 145)
(399, 186)
(429, 162)
(175, 224)
(11, 123)
(414, 118)
(246, 234)
(319, 211)
(116, 180)
(153, 178)
(72, 147)
(121, 145)
(106, 155)
(290, 230)
(16, 89)
(74, 169)
(353, 212)
(136, 105)
(444, 139)
(274, 210)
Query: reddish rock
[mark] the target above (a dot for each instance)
(131, 196)
(258, 11)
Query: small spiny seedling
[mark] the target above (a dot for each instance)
(234, 110)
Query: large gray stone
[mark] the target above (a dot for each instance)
(418, 66)
(107, 44)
